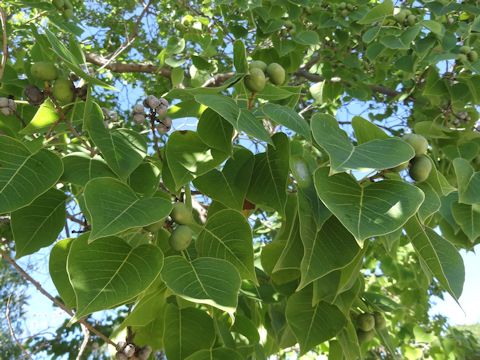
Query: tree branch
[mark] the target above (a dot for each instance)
(12, 332)
(44, 292)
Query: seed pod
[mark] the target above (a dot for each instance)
(144, 353)
(162, 129)
(3, 102)
(34, 95)
(161, 110)
(113, 115)
(139, 118)
(139, 109)
(129, 350)
(164, 102)
(167, 122)
(151, 102)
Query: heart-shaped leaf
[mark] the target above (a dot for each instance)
(227, 235)
(215, 131)
(38, 224)
(79, 168)
(24, 175)
(43, 120)
(287, 117)
(373, 209)
(440, 257)
(312, 325)
(109, 272)
(377, 154)
(123, 149)
(468, 182)
(230, 185)
(204, 280)
(114, 207)
(366, 131)
(431, 204)
(468, 217)
(57, 265)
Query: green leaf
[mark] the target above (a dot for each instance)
(204, 280)
(287, 117)
(216, 354)
(145, 179)
(177, 76)
(468, 182)
(240, 57)
(431, 204)
(188, 157)
(123, 149)
(439, 256)
(24, 175)
(312, 325)
(230, 185)
(79, 168)
(377, 154)
(241, 119)
(268, 186)
(109, 272)
(43, 119)
(58, 272)
(378, 13)
(186, 332)
(366, 131)
(215, 131)
(333, 248)
(114, 207)
(374, 209)
(307, 37)
(434, 26)
(38, 224)
(467, 151)
(227, 235)
(468, 217)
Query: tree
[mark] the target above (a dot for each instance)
(278, 224)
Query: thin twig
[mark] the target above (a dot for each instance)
(12, 332)
(3, 20)
(44, 292)
(86, 339)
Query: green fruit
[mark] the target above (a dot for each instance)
(364, 336)
(345, 12)
(401, 16)
(400, 167)
(465, 49)
(259, 64)
(276, 73)
(155, 226)
(421, 168)
(365, 322)
(44, 70)
(350, 7)
(418, 142)
(462, 58)
(67, 13)
(255, 81)
(411, 20)
(472, 56)
(342, 5)
(181, 214)
(63, 91)
(59, 4)
(407, 13)
(380, 322)
(68, 4)
(181, 238)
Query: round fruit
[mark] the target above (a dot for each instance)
(465, 49)
(364, 336)
(139, 118)
(463, 58)
(380, 322)
(155, 226)
(472, 56)
(63, 91)
(400, 167)
(255, 81)
(345, 12)
(411, 20)
(276, 73)
(59, 4)
(418, 142)
(259, 64)
(342, 5)
(181, 214)
(44, 70)
(365, 322)
(420, 169)
(181, 238)
(401, 16)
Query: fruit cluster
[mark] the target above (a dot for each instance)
(158, 112)
(181, 236)
(7, 106)
(405, 17)
(65, 7)
(366, 325)
(130, 351)
(467, 54)
(345, 9)
(62, 90)
(420, 165)
(256, 80)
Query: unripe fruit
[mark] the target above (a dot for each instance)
(418, 142)
(421, 168)
(59, 4)
(63, 91)
(259, 64)
(345, 12)
(155, 226)
(181, 214)
(465, 49)
(400, 167)
(342, 6)
(380, 322)
(350, 7)
(463, 58)
(44, 70)
(411, 20)
(181, 238)
(365, 322)
(472, 56)
(401, 16)
(255, 81)
(276, 73)
(364, 336)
